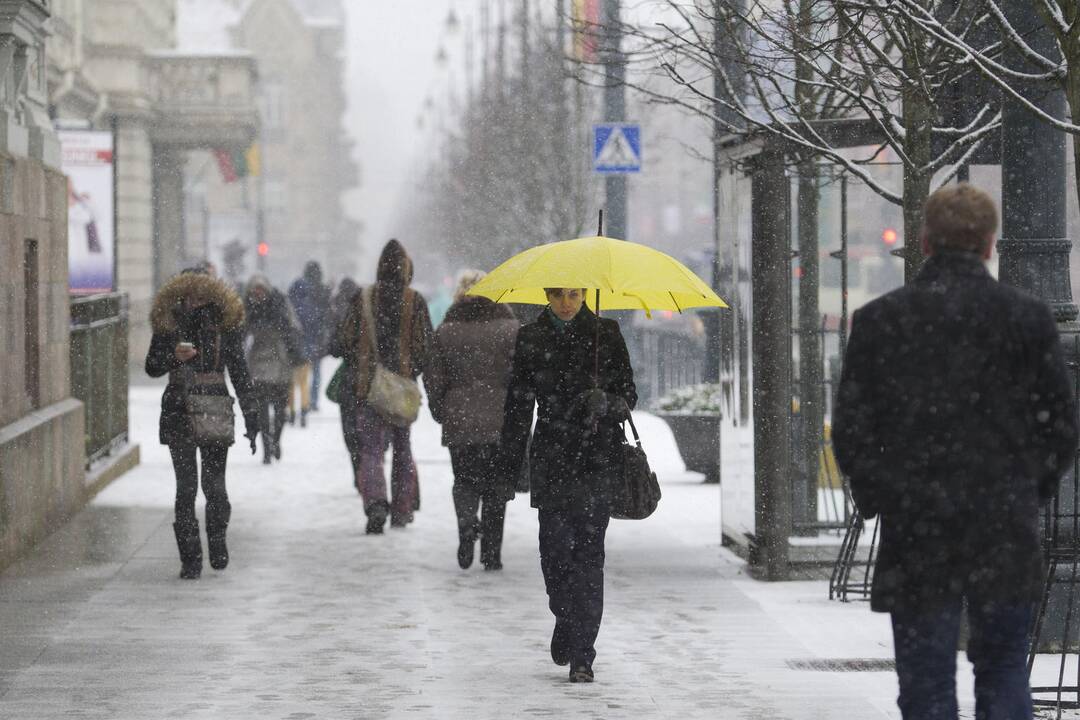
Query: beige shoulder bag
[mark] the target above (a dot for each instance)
(395, 397)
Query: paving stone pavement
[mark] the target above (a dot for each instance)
(313, 619)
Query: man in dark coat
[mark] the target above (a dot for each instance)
(311, 301)
(581, 400)
(954, 423)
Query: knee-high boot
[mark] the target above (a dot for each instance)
(217, 522)
(190, 546)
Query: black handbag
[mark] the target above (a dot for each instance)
(209, 411)
(635, 493)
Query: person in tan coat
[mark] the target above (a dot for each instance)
(466, 378)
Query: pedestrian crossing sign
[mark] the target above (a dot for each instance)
(616, 148)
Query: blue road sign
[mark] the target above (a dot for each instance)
(616, 148)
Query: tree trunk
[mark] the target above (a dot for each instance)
(918, 114)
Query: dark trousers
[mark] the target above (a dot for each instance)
(316, 380)
(273, 398)
(350, 433)
(572, 559)
(476, 480)
(926, 661)
(213, 485)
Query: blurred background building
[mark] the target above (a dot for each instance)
(226, 118)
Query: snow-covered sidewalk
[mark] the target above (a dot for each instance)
(313, 619)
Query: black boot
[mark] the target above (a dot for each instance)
(376, 517)
(466, 544)
(491, 541)
(217, 522)
(190, 546)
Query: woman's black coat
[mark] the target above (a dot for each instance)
(216, 329)
(571, 463)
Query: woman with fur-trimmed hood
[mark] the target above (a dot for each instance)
(402, 334)
(466, 378)
(198, 326)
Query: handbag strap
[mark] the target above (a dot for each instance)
(633, 429)
(207, 377)
(368, 326)
(405, 341)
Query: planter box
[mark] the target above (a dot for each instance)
(698, 438)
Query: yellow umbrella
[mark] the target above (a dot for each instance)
(625, 276)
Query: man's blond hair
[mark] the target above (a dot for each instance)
(960, 217)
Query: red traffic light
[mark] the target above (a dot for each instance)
(889, 236)
(264, 249)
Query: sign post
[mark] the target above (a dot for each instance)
(616, 148)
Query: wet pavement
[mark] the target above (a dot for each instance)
(313, 619)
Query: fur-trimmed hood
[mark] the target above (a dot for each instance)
(197, 289)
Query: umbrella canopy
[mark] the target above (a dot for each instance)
(627, 275)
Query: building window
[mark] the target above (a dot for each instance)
(32, 339)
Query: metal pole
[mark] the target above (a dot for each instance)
(614, 111)
(771, 290)
(1034, 256)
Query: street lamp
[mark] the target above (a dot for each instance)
(441, 58)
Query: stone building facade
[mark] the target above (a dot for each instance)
(114, 65)
(305, 155)
(42, 453)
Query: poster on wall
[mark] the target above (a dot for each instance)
(87, 157)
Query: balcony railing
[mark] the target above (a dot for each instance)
(203, 98)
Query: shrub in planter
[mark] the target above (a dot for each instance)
(693, 414)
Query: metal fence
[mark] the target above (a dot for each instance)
(666, 355)
(99, 369)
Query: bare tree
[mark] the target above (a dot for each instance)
(816, 73)
(504, 180)
(1007, 59)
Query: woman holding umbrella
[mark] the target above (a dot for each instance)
(576, 368)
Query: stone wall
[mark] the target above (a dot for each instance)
(42, 448)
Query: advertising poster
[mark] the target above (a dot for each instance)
(87, 157)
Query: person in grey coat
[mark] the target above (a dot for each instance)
(466, 381)
(272, 336)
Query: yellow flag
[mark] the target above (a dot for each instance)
(253, 160)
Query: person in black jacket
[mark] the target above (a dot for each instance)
(198, 324)
(583, 389)
(954, 423)
(343, 300)
(310, 299)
